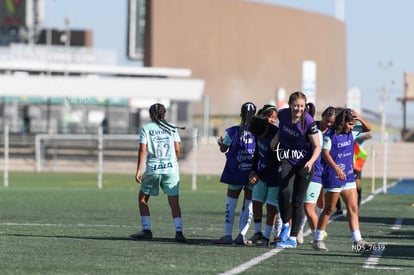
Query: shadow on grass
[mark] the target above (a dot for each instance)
(192, 241)
(389, 221)
(405, 252)
(398, 254)
(71, 237)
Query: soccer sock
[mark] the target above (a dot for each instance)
(278, 225)
(318, 211)
(231, 204)
(356, 236)
(318, 235)
(257, 226)
(246, 217)
(267, 231)
(178, 223)
(146, 222)
(359, 191)
(303, 222)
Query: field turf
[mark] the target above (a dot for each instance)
(61, 223)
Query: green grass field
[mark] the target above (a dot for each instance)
(55, 223)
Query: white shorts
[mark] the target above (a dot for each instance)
(348, 185)
(312, 194)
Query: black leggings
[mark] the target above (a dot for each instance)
(294, 182)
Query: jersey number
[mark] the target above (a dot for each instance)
(163, 150)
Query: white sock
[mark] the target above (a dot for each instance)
(246, 216)
(318, 235)
(356, 236)
(318, 211)
(146, 222)
(229, 216)
(278, 225)
(303, 222)
(178, 223)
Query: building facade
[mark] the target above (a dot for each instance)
(248, 51)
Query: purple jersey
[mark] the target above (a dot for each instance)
(267, 170)
(317, 165)
(342, 153)
(239, 157)
(294, 144)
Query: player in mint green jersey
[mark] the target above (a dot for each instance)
(159, 142)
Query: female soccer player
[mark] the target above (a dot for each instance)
(239, 145)
(338, 176)
(297, 148)
(160, 143)
(264, 179)
(314, 198)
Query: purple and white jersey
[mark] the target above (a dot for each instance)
(317, 165)
(267, 169)
(341, 149)
(294, 144)
(239, 157)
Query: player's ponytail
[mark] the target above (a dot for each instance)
(247, 112)
(310, 108)
(157, 114)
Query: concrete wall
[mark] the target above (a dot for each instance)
(399, 158)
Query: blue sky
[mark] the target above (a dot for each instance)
(378, 32)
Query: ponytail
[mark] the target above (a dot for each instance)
(157, 113)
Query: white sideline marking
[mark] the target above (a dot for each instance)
(367, 199)
(397, 224)
(372, 261)
(252, 262)
(257, 260)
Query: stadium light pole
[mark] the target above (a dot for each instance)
(384, 134)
